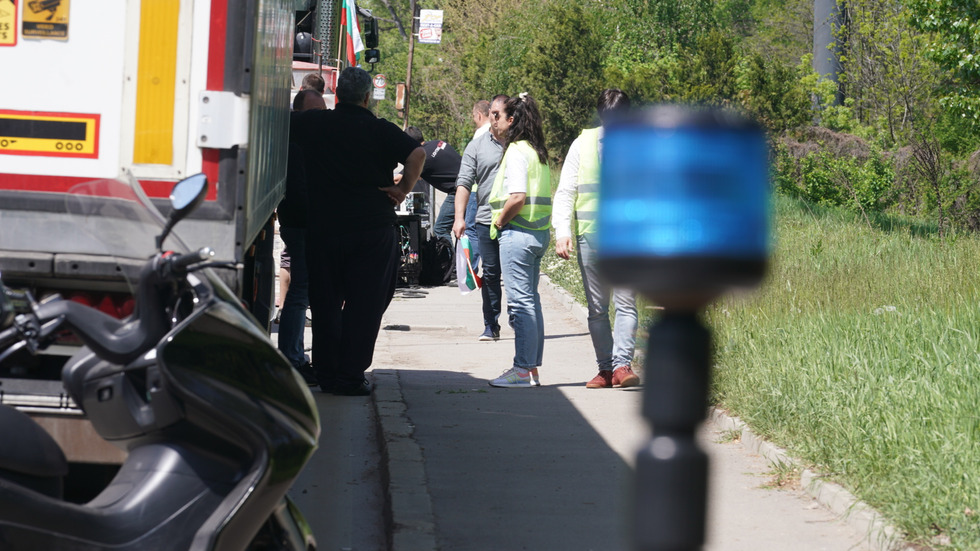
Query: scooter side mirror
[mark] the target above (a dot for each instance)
(185, 196)
(188, 194)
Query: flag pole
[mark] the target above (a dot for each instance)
(341, 40)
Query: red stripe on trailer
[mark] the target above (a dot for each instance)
(157, 189)
(209, 166)
(216, 44)
(218, 36)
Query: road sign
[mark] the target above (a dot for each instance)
(400, 96)
(380, 82)
(430, 26)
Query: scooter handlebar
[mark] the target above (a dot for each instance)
(120, 341)
(180, 263)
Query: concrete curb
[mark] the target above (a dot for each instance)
(409, 511)
(881, 536)
(409, 514)
(565, 298)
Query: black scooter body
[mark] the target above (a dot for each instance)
(217, 425)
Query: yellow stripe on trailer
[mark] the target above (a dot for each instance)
(156, 80)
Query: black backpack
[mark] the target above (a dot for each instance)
(438, 259)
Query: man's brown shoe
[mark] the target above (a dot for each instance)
(623, 377)
(603, 380)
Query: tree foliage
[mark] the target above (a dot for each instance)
(886, 75)
(953, 42)
(909, 70)
(563, 71)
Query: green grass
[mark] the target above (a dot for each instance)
(861, 355)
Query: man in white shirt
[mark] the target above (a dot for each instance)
(481, 118)
(578, 193)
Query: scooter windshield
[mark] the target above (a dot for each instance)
(101, 229)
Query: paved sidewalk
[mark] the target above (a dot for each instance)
(471, 467)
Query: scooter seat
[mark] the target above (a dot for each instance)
(29, 456)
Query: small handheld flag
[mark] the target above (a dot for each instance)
(466, 276)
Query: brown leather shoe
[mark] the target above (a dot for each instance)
(623, 377)
(603, 380)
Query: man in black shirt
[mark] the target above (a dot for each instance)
(440, 171)
(292, 229)
(352, 241)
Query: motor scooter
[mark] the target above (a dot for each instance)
(216, 423)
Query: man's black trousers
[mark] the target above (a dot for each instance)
(352, 280)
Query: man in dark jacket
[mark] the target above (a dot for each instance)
(352, 241)
(292, 229)
(440, 170)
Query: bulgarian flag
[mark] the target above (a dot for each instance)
(466, 276)
(348, 18)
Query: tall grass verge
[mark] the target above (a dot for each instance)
(861, 355)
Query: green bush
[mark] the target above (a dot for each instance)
(831, 180)
(775, 94)
(655, 80)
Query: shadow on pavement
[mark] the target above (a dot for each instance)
(566, 336)
(514, 468)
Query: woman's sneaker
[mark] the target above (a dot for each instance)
(514, 377)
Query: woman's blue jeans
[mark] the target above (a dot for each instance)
(292, 319)
(521, 251)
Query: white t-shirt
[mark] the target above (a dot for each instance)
(515, 172)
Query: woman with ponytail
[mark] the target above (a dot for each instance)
(521, 219)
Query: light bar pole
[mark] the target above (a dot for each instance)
(683, 218)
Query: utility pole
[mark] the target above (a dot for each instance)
(408, 73)
(828, 21)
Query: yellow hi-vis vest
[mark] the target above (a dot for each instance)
(587, 200)
(536, 212)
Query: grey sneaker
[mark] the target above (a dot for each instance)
(489, 334)
(514, 377)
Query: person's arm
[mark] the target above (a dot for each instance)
(464, 185)
(514, 204)
(561, 214)
(462, 198)
(410, 174)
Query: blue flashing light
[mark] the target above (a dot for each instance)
(684, 191)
